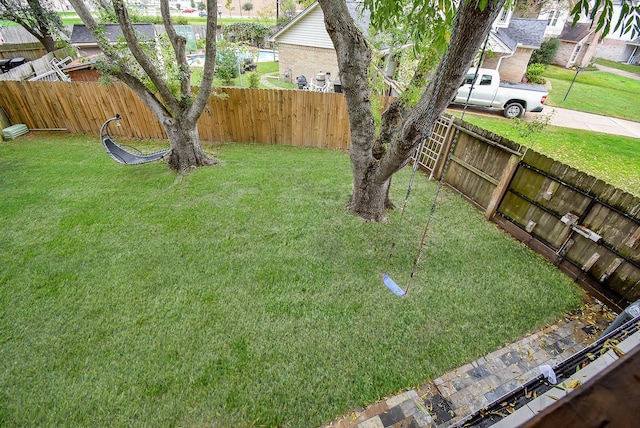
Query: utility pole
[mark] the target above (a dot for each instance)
(571, 85)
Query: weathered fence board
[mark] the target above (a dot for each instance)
(585, 226)
(477, 168)
(585, 221)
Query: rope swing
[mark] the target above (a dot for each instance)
(387, 281)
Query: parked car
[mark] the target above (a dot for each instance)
(202, 13)
(513, 98)
(188, 10)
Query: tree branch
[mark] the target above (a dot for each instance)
(147, 65)
(471, 29)
(354, 56)
(133, 82)
(206, 85)
(179, 44)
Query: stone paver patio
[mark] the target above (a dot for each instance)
(467, 389)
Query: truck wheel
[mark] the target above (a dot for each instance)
(513, 110)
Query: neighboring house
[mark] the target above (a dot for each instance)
(82, 38)
(511, 45)
(619, 49)
(578, 43)
(615, 46)
(83, 68)
(632, 52)
(305, 47)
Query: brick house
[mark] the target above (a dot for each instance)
(578, 43)
(304, 46)
(632, 52)
(584, 45)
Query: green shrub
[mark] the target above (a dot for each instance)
(547, 52)
(179, 20)
(146, 19)
(534, 73)
(254, 80)
(247, 32)
(226, 65)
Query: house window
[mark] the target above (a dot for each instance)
(553, 18)
(575, 53)
(504, 17)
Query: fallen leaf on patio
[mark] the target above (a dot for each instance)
(552, 397)
(422, 409)
(504, 403)
(510, 410)
(527, 394)
(575, 383)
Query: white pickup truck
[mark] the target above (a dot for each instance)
(513, 98)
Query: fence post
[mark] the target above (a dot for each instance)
(503, 184)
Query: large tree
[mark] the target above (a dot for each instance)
(376, 157)
(170, 98)
(35, 16)
(377, 154)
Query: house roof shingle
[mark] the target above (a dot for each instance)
(524, 32)
(576, 33)
(81, 35)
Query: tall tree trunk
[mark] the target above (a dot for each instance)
(354, 56)
(186, 152)
(48, 42)
(374, 162)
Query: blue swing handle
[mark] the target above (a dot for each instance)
(391, 285)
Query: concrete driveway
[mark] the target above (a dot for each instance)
(579, 120)
(565, 118)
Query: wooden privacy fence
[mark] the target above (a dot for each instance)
(298, 118)
(589, 229)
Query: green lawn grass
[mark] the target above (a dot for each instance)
(631, 68)
(242, 295)
(611, 158)
(262, 69)
(594, 92)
